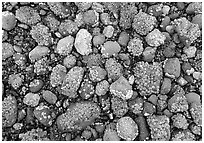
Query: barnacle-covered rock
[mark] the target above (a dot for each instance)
(127, 13)
(148, 77)
(7, 50)
(41, 34)
(60, 9)
(68, 27)
(64, 45)
(119, 106)
(127, 128)
(28, 15)
(57, 75)
(155, 38)
(143, 23)
(187, 31)
(114, 69)
(9, 111)
(135, 46)
(52, 22)
(121, 88)
(72, 81)
(34, 135)
(178, 102)
(78, 116)
(159, 126)
(91, 17)
(183, 135)
(196, 112)
(83, 42)
(8, 20)
(16, 80)
(180, 121)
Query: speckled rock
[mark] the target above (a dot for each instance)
(108, 31)
(83, 42)
(31, 99)
(9, 111)
(127, 128)
(7, 50)
(187, 31)
(155, 38)
(166, 86)
(57, 75)
(172, 67)
(143, 23)
(135, 46)
(71, 81)
(121, 88)
(64, 46)
(197, 19)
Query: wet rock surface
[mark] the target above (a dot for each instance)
(101, 71)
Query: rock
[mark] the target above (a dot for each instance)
(78, 116)
(197, 75)
(31, 99)
(194, 7)
(193, 97)
(123, 38)
(119, 106)
(91, 17)
(57, 75)
(159, 126)
(96, 73)
(155, 38)
(188, 32)
(181, 81)
(143, 23)
(110, 134)
(43, 114)
(9, 111)
(49, 96)
(149, 54)
(196, 113)
(178, 102)
(71, 81)
(64, 45)
(190, 51)
(121, 88)
(98, 40)
(8, 20)
(108, 31)
(172, 67)
(102, 87)
(127, 128)
(38, 52)
(7, 50)
(197, 19)
(142, 127)
(135, 46)
(110, 48)
(83, 42)
(36, 85)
